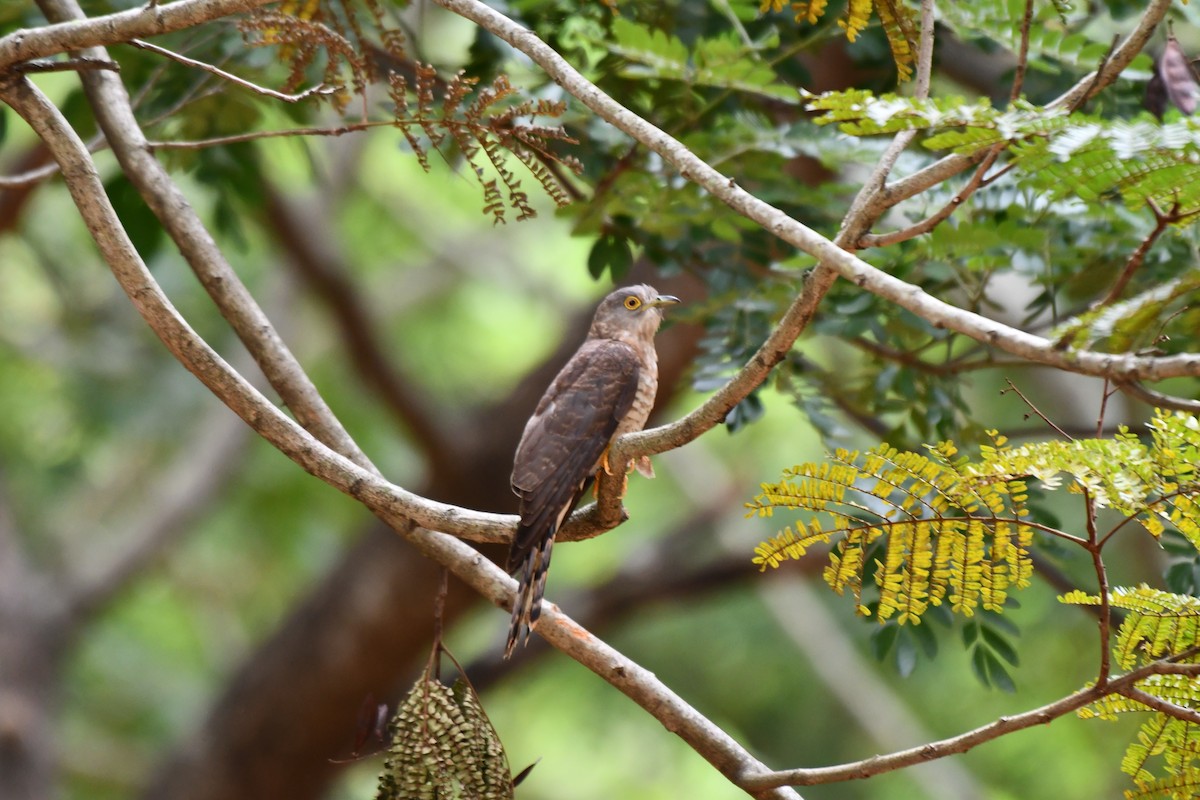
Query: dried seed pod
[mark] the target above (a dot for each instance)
(1173, 84)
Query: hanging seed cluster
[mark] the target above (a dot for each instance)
(443, 747)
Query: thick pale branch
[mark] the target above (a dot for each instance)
(1038, 349)
(114, 115)
(392, 504)
(145, 20)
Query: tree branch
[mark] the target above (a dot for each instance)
(1158, 704)
(114, 116)
(877, 765)
(392, 504)
(1162, 221)
(145, 20)
(1086, 88)
(319, 89)
(1159, 399)
(905, 295)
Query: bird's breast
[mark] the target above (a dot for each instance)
(643, 401)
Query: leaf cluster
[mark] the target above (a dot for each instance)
(898, 21)
(952, 534)
(486, 125)
(307, 30)
(1158, 625)
(1143, 161)
(942, 531)
(486, 128)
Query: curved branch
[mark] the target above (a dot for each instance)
(114, 116)
(1159, 399)
(1086, 88)
(941, 314)
(390, 503)
(877, 765)
(145, 20)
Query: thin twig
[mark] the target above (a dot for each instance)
(1022, 54)
(1162, 221)
(1013, 388)
(1094, 548)
(251, 136)
(1158, 704)
(28, 178)
(878, 765)
(1094, 87)
(912, 358)
(318, 90)
(941, 215)
(77, 64)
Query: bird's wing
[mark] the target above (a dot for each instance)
(567, 435)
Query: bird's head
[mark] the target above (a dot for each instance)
(630, 313)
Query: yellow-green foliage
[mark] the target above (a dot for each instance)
(1157, 624)
(950, 530)
(898, 21)
(951, 536)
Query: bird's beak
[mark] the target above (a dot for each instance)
(665, 300)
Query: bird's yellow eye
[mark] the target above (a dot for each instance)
(633, 303)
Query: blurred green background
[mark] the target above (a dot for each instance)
(111, 454)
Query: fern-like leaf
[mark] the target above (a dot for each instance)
(488, 129)
(949, 537)
(1158, 624)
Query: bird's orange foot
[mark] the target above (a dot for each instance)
(604, 463)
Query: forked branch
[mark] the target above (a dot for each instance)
(391, 503)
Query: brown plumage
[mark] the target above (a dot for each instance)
(604, 391)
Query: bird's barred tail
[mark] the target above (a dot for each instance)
(531, 585)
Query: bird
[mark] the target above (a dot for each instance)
(604, 391)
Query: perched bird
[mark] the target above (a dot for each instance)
(604, 391)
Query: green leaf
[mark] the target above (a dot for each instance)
(139, 221)
(611, 253)
(664, 55)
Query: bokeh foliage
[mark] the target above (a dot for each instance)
(87, 393)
